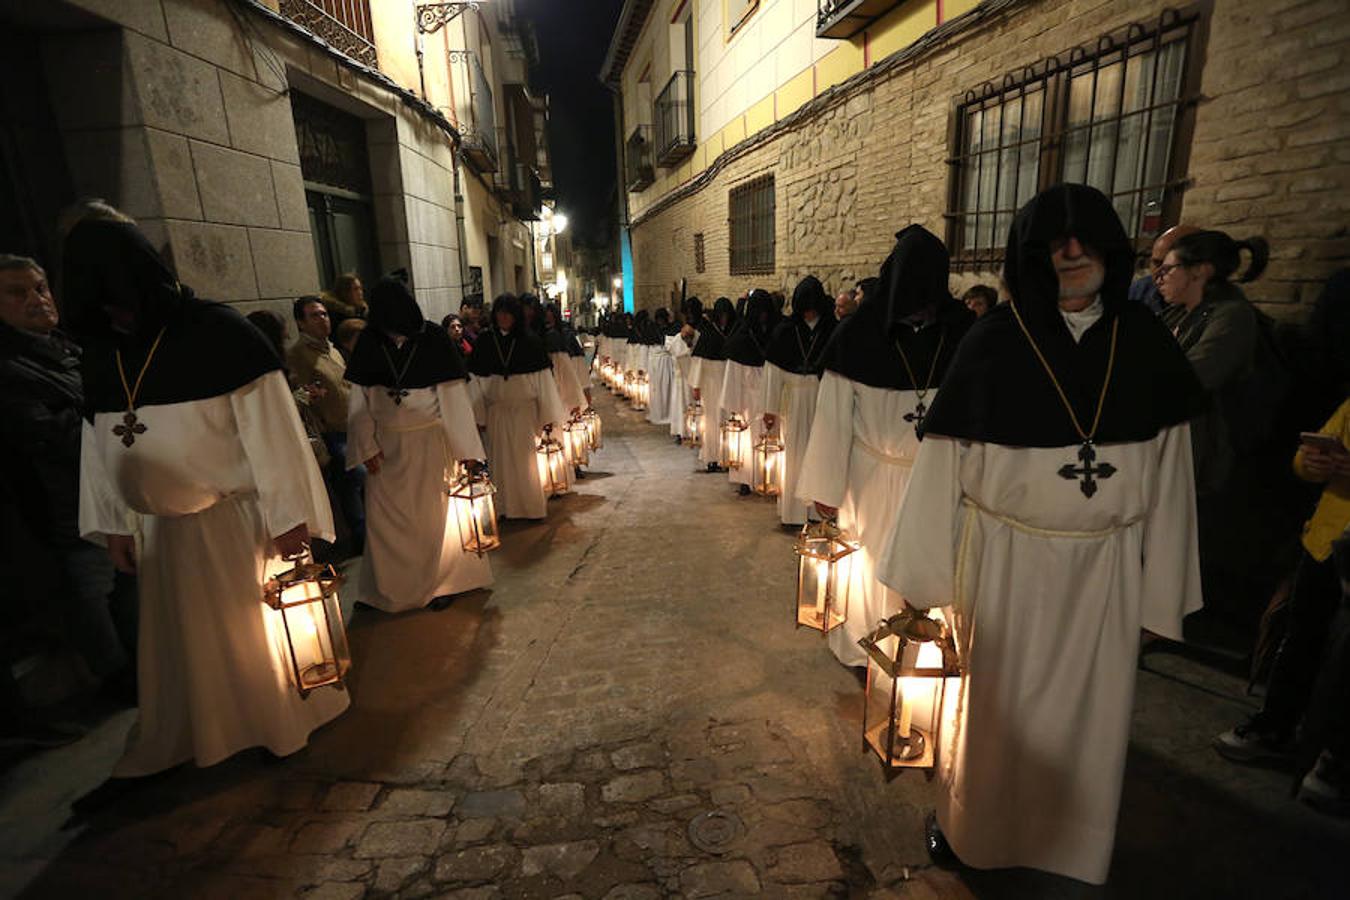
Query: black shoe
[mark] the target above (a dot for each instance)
(936, 842)
(679, 439)
(714, 467)
(744, 490)
(441, 602)
(580, 474)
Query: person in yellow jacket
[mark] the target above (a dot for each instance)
(1267, 736)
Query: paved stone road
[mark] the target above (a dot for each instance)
(628, 714)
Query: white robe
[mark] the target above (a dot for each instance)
(660, 375)
(858, 459)
(569, 385)
(680, 396)
(743, 395)
(707, 376)
(514, 410)
(414, 551)
(204, 490)
(1048, 590)
(792, 398)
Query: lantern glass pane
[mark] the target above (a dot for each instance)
(309, 629)
(889, 726)
(476, 515)
(768, 467)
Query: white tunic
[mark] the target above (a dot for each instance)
(661, 374)
(743, 395)
(514, 410)
(680, 396)
(1048, 590)
(707, 376)
(569, 384)
(792, 398)
(205, 489)
(414, 551)
(858, 459)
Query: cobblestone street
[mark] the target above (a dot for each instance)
(628, 714)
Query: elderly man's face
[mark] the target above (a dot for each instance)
(315, 321)
(1080, 269)
(26, 300)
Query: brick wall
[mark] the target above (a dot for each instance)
(1269, 155)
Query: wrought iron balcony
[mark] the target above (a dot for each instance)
(675, 119)
(345, 24)
(637, 159)
(479, 128)
(842, 19)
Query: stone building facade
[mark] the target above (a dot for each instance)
(1264, 151)
(267, 145)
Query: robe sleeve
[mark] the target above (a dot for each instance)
(458, 420)
(361, 442)
(918, 557)
(548, 404)
(771, 389)
(478, 399)
(733, 389)
(569, 388)
(291, 491)
(824, 476)
(1171, 559)
(102, 511)
(696, 373)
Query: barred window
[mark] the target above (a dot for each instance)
(700, 262)
(752, 227)
(1117, 116)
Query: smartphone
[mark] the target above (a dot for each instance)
(1327, 443)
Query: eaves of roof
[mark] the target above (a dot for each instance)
(631, 19)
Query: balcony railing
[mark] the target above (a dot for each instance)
(675, 119)
(479, 140)
(345, 24)
(842, 19)
(637, 159)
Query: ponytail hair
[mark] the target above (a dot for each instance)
(1224, 254)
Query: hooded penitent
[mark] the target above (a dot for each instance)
(716, 328)
(637, 333)
(998, 391)
(910, 308)
(207, 349)
(557, 334)
(749, 342)
(517, 352)
(427, 357)
(693, 312)
(795, 345)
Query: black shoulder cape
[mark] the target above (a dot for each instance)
(748, 344)
(712, 337)
(518, 352)
(430, 355)
(795, 346)
(996, 389)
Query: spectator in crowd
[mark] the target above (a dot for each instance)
(1144, 289)
(1217, 328)
(315, 363)
(41, 403)
(346, 300)
(274, 329)
(845, 304)
(454, 326)
(979, 299)
(347, 333)
(471, 313)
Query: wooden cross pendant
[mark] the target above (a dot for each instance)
(1088, 471)
(397, 395)
(129, 428)
(917, 416)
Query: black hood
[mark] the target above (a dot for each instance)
(914, 277)
(428, 357)
(795, 346)
(393, 308)
(749, 342)
(716, 328)
(518, 352)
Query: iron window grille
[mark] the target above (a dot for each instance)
(480, 133)
(1117, 116)
(332, 145)
(637, 158)
(752, 227)
(700, 259)
(675, 119)
(345, 24)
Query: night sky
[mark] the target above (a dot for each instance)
(573, 37)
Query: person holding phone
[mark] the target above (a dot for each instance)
(1268, 736)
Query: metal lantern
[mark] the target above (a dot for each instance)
(693, 424)
(767, 472)
(305, 601)
(910, 656)
(472, 495)
(594, 428)
(642, 391)
(552, 461)
(577, 441)
(630, 379)
(735, 442)
(824, 569)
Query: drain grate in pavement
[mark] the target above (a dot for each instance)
(715, 832)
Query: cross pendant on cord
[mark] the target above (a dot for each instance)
(917, 416)
(129, 428)
(397, 395)
(1089, 473)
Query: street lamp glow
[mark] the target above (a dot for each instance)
(559, 223)
(618, 284)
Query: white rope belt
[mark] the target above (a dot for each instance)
(1017, 525)
(405, 429)
(887, 458)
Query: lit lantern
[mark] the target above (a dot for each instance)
(825, 564)
(910, 656)
(471, 494)
(630, 385)
(735, 443)
(552, 461)
(693, 424)
(642, 391)
(767, 472)
(577, 441)
(594, 429)
(305, 601)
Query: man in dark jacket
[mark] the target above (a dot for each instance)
(40, 419)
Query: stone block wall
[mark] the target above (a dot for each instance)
(1269, 154)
